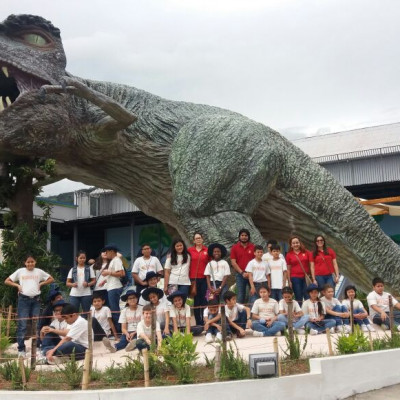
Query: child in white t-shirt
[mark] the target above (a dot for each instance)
(102, 319)
(212, 322)
(217, 271)
(259, 273)
(154, 296)
(144, 330)
(298, 317)
(359, 313)
(378, 303)
(237, 315)
(278, 270)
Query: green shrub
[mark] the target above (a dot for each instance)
(72, 372)
(387, 342)
(353, 343)
(294, 347)
(11, 371)
(233, 366)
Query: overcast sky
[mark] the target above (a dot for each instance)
(302, 67)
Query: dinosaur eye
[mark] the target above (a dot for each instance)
(35, 39)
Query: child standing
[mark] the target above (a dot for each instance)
(102, 314)
(258, 271)
(378, 303)
(30, 280)
(359, 313)
(237, 315)
(298, 317)
(217, 270)
(99, 266)
(265, 315)
(334, 310)
(144, 330)
(129, 320)
(278, 270)
(315, 310)
(154, 296)
(80, 279)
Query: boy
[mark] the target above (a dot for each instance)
(102, 319)
(144, 264)
(129, 319)
(152, 279)
(265, 315)
(144, 330)
(258, 271)
(378, 303)
(335, 310)
(154, 296)
(212, 321)
(238, 315)
(278, 269)
(268, 255)
(76, 340)
(298, 317)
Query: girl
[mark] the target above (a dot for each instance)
(80, 278)
(217, 270)
(315, 310)
(298, 267)
(324, 267)
(101, 281)
(359, 313)
(176, 270)
(30, 280)
(198, 261)
(334, 310)
(153, 295)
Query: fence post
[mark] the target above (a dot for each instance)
(86, 371)
(391, 315)
(223, 329)
(145, 354)
(217, 365)
(371, 343)
(90, 340)
(329, 339)
(290, 321)
(153, 326)
(9, 321)
(276, 350)
(22, 368)
(1, 327)
(34, 343)
(352, 315)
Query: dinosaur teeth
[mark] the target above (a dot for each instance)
(8, 101)
(1, 104)
(5, 71)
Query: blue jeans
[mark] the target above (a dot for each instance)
(27, 308)
(200, 301)
(49, 341)
(113, 299)
(123, 342)
(364, 321)
(298, 323)
(241, 285)
(322, 325)
(276, 294)
(241, 320)
(339, 321)
(84, 301)
(378, 320)
(184, 289)
(276, 327)
(299, 288)
(325, 279)
(69, 348)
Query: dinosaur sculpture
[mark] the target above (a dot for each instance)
(194, 167)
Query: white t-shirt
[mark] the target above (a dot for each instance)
(220, 269)
(78, 332)
(268, 257)
(102, 317)
(142, 328)
(100, 278)
(277, 267)
(206, 312)
(233, 313)
(29, 280)
(357, 305)
(329, 304)
(259, 270)
(131, 318)
(142, 302)
(59, 325)
(180, 315)
(180, 272)
(382, 301)
(141, 266)
(311, 309)
(265, 310)
(113, 282)
(161, 309)
(283, 306)
(80, 290)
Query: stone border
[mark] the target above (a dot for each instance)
(330, 378)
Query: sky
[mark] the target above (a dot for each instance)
(302, 67)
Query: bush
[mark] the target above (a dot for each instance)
(11, 371)
(353, 343)
(233, 366)
(72, 372)
(387, 342)
(294, 348)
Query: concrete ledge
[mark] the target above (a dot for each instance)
(330, 378)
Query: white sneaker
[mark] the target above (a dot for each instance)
(257, 334)
(313, 332)
(300, 331)
(131, 345)
(21, 354)
(108, 345)
(364, 328)
(347, 328)
(371, 328)
(398, 327)
(219, 336)
(279, 333)
(209, 338)
(333, 330)
(384, 327)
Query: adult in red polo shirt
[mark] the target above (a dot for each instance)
(241, 253)
(198, 261)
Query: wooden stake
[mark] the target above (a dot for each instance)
(1, 327)
(34, 343)
(86, 371)
(9, 321)
(145, 354)
(391, 316)
(22, 369)
(276, 350)
(371, 344)
(153, 327)
(223, 329)
(290, 321)
(328, 338)
(90, 340)
(352, 315)
(217, 364)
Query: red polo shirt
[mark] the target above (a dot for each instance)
(242, 254)
(295, 269)
(198, 262)
(323, 262)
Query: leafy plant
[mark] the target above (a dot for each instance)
(179, 352)
(353, 343)
(233, 365)
(157, 368)
(132, 369)
(11, 371)
(72, 372)
(387, 342)
(294, 347)
(210, 362)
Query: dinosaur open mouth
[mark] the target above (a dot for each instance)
(14, 82)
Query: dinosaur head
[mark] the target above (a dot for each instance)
(31, 55)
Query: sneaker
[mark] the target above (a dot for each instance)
(371, 328)
(209, 338)
(41, 361)
(347, 328)
(219, 336)
(384, 327)
(398, 327)
(249, 331)
(257, 334)
(58, 360)
(364, 328)
(300, 331)
(21, 354)
(108, 345)
(229, 337)
(131, 345)
(111, 337)
(333, 330)
(313, 332)
(339, 329)
(279, 333)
